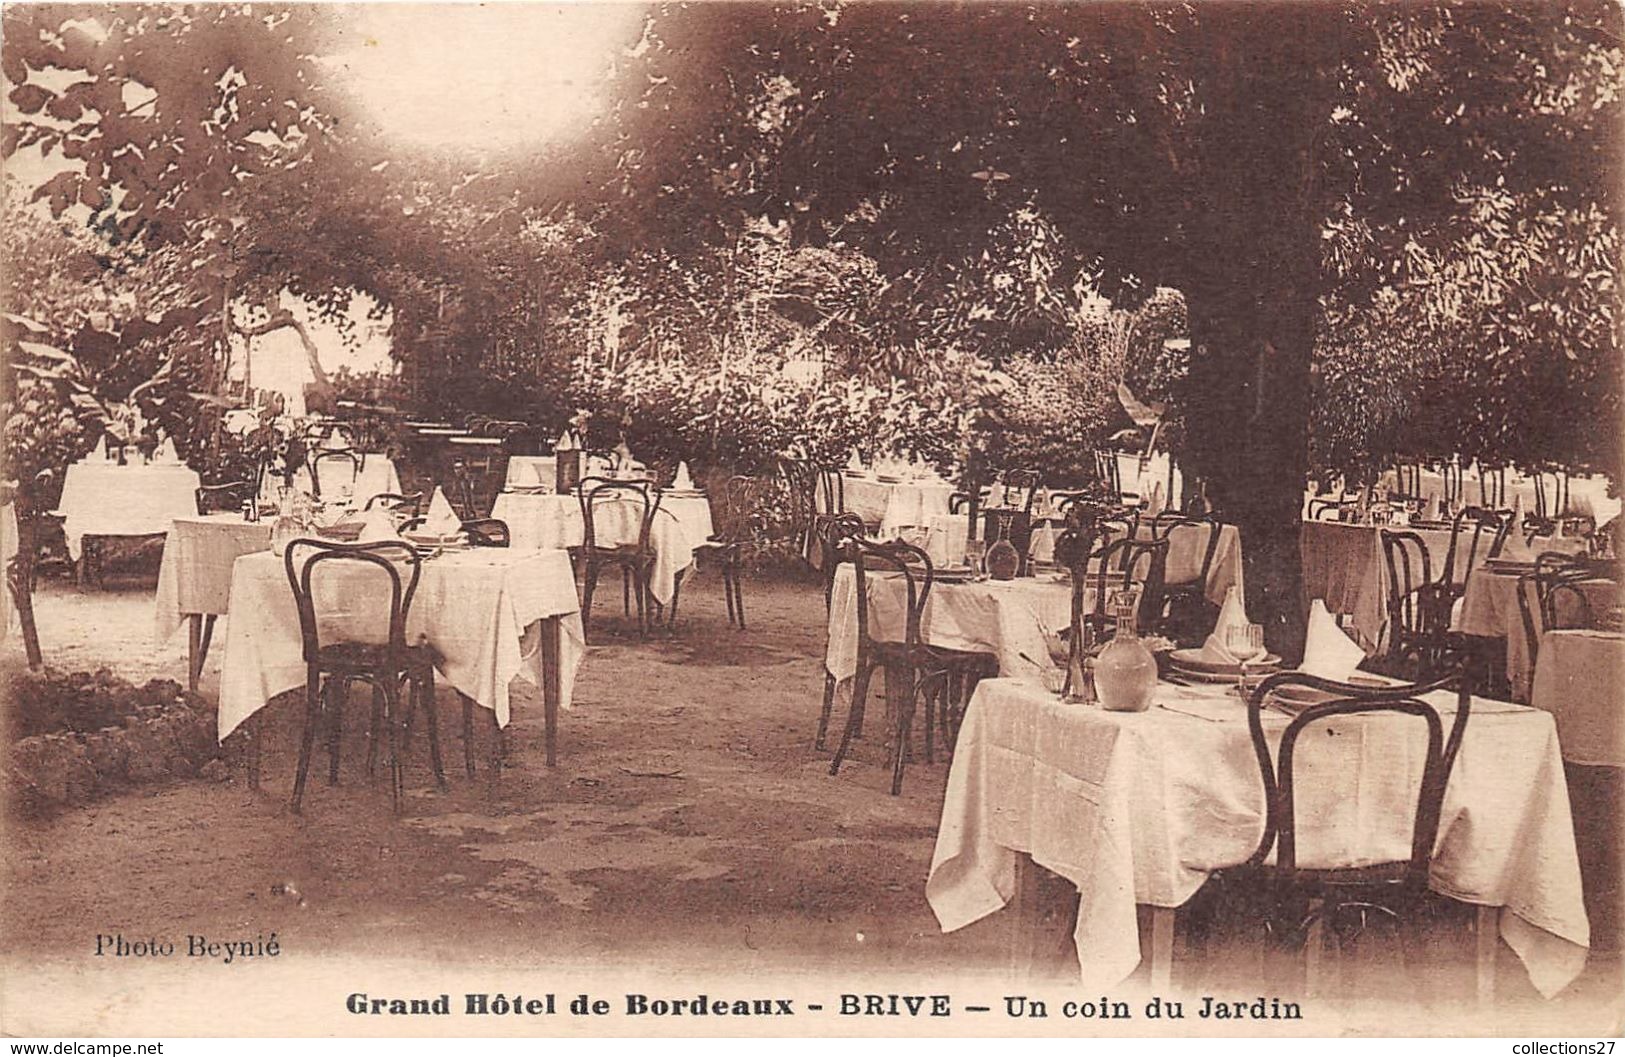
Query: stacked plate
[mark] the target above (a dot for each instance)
(529, 489)
(1293, 699)
(1509, 565)
(952, 574)
(1191, 665)
(685, 493)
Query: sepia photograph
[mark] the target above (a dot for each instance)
(908, 518)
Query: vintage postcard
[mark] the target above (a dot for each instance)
(819, 518)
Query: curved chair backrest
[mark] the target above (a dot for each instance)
(1344, 699)
(829, 496)
(408, 505)
(1410, 574)
(488, 532)
(213, 498)
(1123, 563)
(339, 460)
(594, 491)
(1165, 524)
(897, 557)
(1485, 532)
(384, 557)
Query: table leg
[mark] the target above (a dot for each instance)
(552, 683)
(1488, 933)
(1162, 948)
(194, 643)
(1024, 929)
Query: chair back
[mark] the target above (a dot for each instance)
(798, 488)
(1410, 581)
(896, 557)
(1024, 485)
(1454, 492)
(1106, 470)
(304, 556)
(741, 508)
(487, 532)
(1124, 563)
(1165, 524)
(593, 493)
(1277, 770)
(338, 461)
(829, 496)
(1554, 596)
(409, 505)
(228, 497)
(1492, 487)
(1481, 530)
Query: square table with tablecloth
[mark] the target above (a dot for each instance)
(377, 476)
(106, 499)
(488, 613)
(194, 578)
(892, 505)
(1580, 680)
(1012, 620)
(1139, 808)
(682, 524)
(1489, 609)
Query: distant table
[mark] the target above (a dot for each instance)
(194, 578)
(106, 499)
(1187, 546)
(1579, 679)
(1489, 609)
(490, 613)
(545, 522)
(377, 476)
(1139, 808)
(892, 505)
(534, 470)
(1011, 620)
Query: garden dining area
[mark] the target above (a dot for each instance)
(510, 571)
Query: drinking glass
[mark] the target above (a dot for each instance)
(1246, 642)
(976, 557)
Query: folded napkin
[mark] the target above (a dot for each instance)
(335, 440)
(1232, 614)
(166, 451)
(1430, 509)
(1042, 547)
(854, 462)
(442, 519)
(1327, 651)
(566, 442)
(1516, 548)
(377, 526)
(99, 452)
(682, 482)
(1153, 505)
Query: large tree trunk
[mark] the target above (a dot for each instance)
(1251, 292)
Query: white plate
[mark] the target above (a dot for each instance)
(1191, 659)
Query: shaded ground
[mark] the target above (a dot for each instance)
(689, 823)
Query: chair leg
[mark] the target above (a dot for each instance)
(739, 597)
(392, 719)
(626, 591)
(425, 686)
(728, 591)
(1487, 935)
(905, 725)
(642, 590)
(499, 750)
(468, 733)
(854, 717)
(589, 582)
(307, 737)
(336, 693)
(375, 730)
(823, 714)
(676, 593)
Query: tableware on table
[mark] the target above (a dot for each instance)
(1054, 679)
(953, 574)
(1192, 660)
(1327, 650)
(1246, 642)
(1125, 671)
(976, 557)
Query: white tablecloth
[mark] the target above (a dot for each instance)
(376, 477)
(1005, 618)
(1187, 546)
(892, 506)
(479, 609)
(534, 469)
(106, 499)
(1585, 491)
(1578, 679)
(195, 575)
(1139, 808)
(680, 526)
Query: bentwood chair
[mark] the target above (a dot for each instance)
(223, 498)
(741, 507)
(1336, 899)
(1190, 613)
(1492, 487)
(1418, 609)
(635, 559)
(1124, 563)
(832, 545)
(1561, 592)
(408, 505)
(330, 667)
(1475, 534)
(922, 671)
(341, 466)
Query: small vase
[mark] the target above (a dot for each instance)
(284, 531)
(1125, 671)
(1003, 560)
